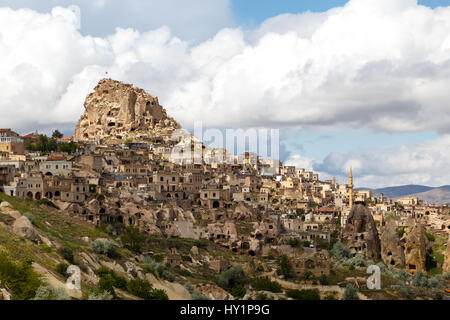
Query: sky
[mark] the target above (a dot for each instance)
(359, 83)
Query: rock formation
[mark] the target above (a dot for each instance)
(120, 111)
(391, 248)
(24, 228)
(360, 233)
(446, 266)
(415, 249)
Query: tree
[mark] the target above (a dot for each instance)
(70, 147)
(285, 266)
(57, 135)
(45, 144)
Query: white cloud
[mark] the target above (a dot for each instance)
(422, 163)
(300, 162)
(383, 64)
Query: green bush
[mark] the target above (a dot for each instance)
(420, 280)
(229, 278)
(62, 269)
(265, 284)
(67, 253)
(238, 291)
(110, 280)
(47, 292)
(133, 239)
(143, 289)
(100, 295)
(30, 217)
(307, 275)
(158, 269)
(48, 203)
(324, 280)
(356, 261)
(295, 242)
(117, 281)
(159, 294)
(404, 292)
(308, 294)
(285, 266)
(350, 293)
(429, 236)
(140, 288)
(104, 246)
(340, 251)
(20, 278)
(262, 296)
(197, 295)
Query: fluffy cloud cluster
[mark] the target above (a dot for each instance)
(422, 163)
(382, 64)
(377, 63)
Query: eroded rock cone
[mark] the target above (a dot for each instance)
(415, 249)
(446, 266)
(121, 111)
(360, 233)
(391, 248)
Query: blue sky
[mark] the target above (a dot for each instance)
(253, 12)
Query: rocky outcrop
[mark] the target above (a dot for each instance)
(5, 294)
(446, 266)
(24, 228)
(391, 248)
(121, 111)
(415, 249)
(360, 233)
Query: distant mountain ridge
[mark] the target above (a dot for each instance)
(439, 195)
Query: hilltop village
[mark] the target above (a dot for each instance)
(285, 222)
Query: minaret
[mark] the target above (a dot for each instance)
(350, 191)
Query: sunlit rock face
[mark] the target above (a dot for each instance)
(360, 233)
(391, 247)
(121, 111)
(415, 249)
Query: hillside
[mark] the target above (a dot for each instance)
(436, 195)
(439, 196)
(57, 239)
(399, 191)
